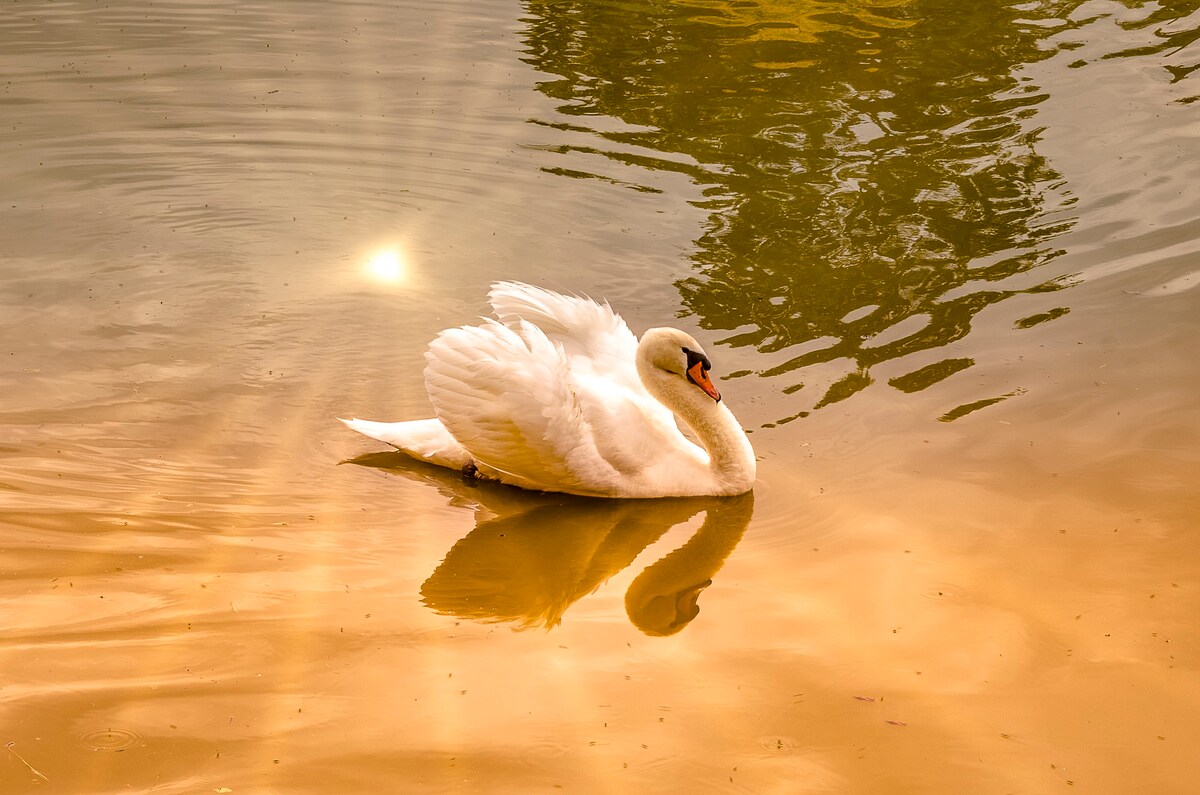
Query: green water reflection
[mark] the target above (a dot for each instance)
(870, 169)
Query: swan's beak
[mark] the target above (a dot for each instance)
(699, 376)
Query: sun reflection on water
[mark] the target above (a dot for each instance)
(386, 266)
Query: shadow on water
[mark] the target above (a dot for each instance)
(531, 556)
(870, 170)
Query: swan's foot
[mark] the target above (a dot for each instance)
(470, 471)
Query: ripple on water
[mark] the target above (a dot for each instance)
(943, 591)
(779, 743)
(111, 739)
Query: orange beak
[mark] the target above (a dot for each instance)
(698, 376)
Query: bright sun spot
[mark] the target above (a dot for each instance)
(386, 266)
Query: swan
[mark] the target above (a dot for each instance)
(557, 394)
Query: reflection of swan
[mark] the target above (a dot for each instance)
(560, 396)
(530, 557)
(662, 599)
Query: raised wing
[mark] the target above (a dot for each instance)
(592, 335)
(504, 392)
(630, 430)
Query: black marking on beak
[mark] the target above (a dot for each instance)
(697, 373)
(693, 358)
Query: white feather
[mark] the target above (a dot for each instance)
(427, 440)
(552, 396)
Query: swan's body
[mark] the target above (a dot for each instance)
(558, 395)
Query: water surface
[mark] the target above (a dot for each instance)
(945, 262)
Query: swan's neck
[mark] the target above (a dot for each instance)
(731, 459)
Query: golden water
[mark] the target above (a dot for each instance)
(944, 260)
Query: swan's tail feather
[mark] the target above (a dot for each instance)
(425, 440)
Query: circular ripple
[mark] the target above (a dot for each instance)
(779, 744)
(942, 591)
(111, 739)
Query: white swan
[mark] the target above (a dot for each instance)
(558, 395)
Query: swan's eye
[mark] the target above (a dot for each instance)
(694, 358)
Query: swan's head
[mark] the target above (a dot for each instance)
(680, 355)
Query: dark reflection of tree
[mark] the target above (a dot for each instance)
(866, 163)
(1163, 17)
